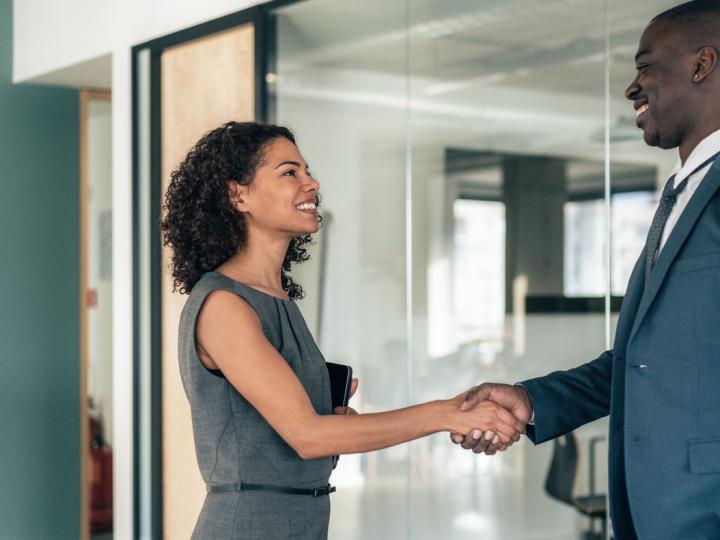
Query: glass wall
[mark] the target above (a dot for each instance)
(506, 98)
(486, 194)
(350, 121)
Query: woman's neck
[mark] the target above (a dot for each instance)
(259, 263)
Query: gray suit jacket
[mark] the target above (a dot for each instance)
(660, 384)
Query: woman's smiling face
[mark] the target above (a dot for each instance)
(283, 194)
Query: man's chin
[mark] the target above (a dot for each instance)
(651, 137)
(655, 139)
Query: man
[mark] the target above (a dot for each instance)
(660, 383)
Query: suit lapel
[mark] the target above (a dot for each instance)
(630, 303)
(675, 241)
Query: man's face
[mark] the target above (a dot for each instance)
(660, 91)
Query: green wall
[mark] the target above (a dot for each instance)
(39, 317)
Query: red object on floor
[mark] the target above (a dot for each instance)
(101, 482)
(92, 298)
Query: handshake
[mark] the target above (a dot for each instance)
(492, 417)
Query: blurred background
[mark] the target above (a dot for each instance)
(485, 196)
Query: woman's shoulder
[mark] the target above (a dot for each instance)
(211, 281)
(207, 284)
(212, 290)
(259, 301)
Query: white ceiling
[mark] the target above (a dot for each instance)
(94, 73)
(508, 72)
(553, 45)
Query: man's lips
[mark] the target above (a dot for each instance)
(639, 114)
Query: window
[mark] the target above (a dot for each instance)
(479, 272)
(584, 241)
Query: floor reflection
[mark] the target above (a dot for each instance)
(461, 496)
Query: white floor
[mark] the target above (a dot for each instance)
(452, 495)
(449, 513)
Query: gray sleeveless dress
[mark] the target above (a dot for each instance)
(234, 443)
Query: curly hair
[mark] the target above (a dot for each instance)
(199, 222)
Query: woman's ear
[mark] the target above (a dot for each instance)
(237, 194)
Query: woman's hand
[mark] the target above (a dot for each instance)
(348, 410)
(488, 437)
(513, 397)
(486, 416)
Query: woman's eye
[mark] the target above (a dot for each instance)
(291, 172)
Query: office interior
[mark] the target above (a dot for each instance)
(485, 196)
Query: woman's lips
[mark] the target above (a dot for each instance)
(307, 208)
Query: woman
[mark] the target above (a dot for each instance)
(239, 210)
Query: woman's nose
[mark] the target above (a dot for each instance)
(312, 184)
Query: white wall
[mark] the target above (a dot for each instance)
(51, 37)
(99, 334)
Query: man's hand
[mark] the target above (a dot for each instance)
(514, 398)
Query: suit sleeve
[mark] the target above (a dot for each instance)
(566, 400)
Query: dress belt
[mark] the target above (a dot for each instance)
(242, 486)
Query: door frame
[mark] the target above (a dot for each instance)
(86, 96)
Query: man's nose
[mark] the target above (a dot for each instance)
(632, 91)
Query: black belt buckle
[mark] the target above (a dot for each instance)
(321, 492)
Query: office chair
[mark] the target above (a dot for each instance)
(561, 480)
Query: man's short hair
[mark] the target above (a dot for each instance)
(698, 22)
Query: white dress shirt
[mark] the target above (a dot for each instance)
(707, 148)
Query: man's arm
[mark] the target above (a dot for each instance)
(561, 402)
(565, 400)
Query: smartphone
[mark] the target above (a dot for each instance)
(340, 382)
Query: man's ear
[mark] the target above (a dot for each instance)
(237, 193)
(706, 60)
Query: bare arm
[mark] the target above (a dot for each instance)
(230, 337)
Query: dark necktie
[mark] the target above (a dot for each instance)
(667, 201)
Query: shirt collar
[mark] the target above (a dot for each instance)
(707, 148)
